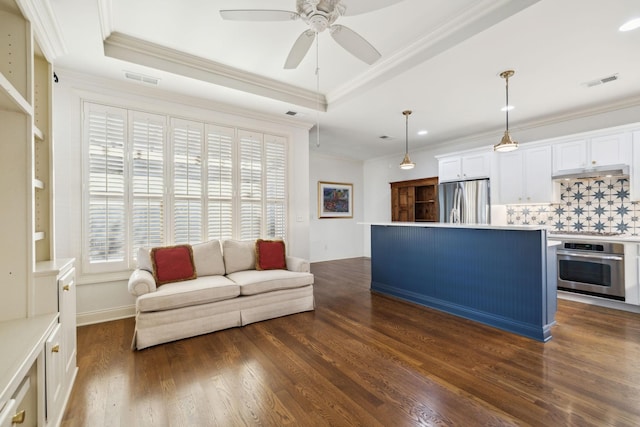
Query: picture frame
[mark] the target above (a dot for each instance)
(335, 200)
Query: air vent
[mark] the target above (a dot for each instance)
(603, 80)
(140, 78)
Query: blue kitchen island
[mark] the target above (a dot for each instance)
(500, 276)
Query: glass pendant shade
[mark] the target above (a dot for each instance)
(406, 162)
(506, 144)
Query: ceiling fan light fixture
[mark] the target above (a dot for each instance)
(406, 163)
(506, 143)
(630, 25)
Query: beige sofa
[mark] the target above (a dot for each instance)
(227, 292)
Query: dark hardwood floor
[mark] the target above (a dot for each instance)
(365, 359)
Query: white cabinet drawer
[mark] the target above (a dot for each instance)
(21, 410)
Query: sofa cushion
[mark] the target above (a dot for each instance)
(207, 258)
(182, 294)
(173, 264)
(253, 282)
(144, 259)
(238, 255)
(270, 255)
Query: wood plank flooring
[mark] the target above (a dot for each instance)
(365, 359)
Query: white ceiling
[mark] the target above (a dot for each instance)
(440, 58)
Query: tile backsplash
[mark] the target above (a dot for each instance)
(601, 205)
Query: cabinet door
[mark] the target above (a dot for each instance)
(476, 166)
(53, 372)
(611, 150)
(510, 178)
(67, 298)
(634, 173)
(450, 169)
(570, 155)
(538, 185)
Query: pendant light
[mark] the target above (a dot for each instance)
(506, 144)
(406, 162)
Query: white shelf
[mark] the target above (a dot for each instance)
(11, 99)
(37, 133)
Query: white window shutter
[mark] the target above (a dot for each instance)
(147, 136)
(250, 156)
(105, 131)
(187, 181)
(219, 182)
(275, 154)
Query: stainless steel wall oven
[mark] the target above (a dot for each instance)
(593, 268)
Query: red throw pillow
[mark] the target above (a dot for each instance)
(173, 264)
(270, 255)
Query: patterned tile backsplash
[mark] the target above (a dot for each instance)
(602, 205)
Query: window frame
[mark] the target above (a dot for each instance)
(168, 198)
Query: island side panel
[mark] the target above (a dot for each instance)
(494, 276)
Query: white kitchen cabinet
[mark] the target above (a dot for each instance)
(465, 166)
(595, 152)
(524, 176)
(634, 173)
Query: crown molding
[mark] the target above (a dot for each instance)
(114, 88)
(473, 20)
(45, 27)
(137, 51)
(105, 14)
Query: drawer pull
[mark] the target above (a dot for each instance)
(55, 348)
(19, 417)
(66, 288)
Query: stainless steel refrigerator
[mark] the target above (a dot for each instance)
(465, 202)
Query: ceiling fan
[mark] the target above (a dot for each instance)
(319, 15)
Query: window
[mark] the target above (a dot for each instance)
(155, 180)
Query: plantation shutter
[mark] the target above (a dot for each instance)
(105, 133)
(147, 136)
(250, 154)
(187, 180)
(219, 182)
(275, 184)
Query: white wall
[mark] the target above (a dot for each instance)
(103, 297)
(336, 238)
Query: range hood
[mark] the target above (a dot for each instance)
(621, 171)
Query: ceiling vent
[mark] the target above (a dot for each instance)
(140, 78)
(603, 80)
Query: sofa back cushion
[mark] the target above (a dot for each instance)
(173, 264)
(270, 255)
(239, 255)
(207, 258)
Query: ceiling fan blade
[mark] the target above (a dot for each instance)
(258, 15)
(355, 7)
(299, 49)
(354, 44)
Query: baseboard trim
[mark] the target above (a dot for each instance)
(99, 316)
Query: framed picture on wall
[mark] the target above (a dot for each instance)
(335, 200)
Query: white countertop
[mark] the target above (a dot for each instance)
(590, 238)
(467, 226)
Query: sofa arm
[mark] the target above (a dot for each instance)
(300, 265)
(141, 282)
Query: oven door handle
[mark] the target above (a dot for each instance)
(601, 257)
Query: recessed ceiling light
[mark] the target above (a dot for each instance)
(423, 132)
(630, 25)
(507, 108)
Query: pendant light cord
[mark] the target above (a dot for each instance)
(406, 134)
(317, 90)
(507, 105)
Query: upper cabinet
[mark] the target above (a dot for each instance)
(593, 152)
(465, 166)
(524, 176)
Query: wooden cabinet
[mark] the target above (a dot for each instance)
(595, 152)
(415, 200)
(524, 176)
(465, 166)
